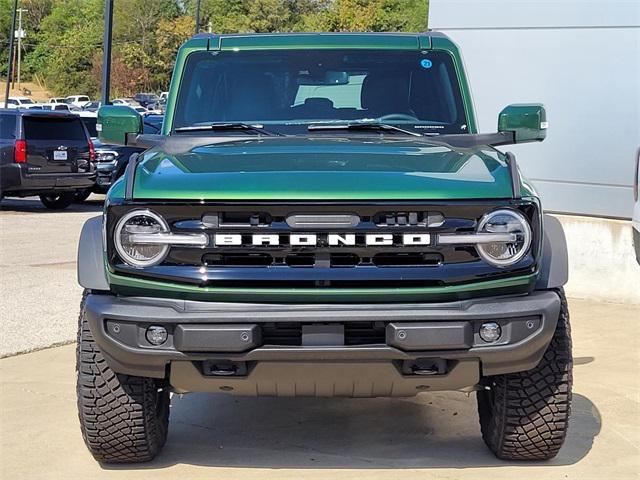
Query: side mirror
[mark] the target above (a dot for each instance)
(527, 122)
(116, 123)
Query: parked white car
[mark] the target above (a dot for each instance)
(636, 208)
(59, 107)
(17, 102)
(57, 100)
(129, 102)
(164, 95)
(77, 100)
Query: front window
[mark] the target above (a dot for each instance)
(287, 90)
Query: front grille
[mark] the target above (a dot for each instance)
(326, 263)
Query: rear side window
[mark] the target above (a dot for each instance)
(48, 128)
(90, 123)
(7, 126)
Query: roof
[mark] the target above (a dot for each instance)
(37, 112)
(270, 41)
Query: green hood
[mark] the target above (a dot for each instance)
(319, 168)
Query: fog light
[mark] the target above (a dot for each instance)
(490, 331)
(156, 335)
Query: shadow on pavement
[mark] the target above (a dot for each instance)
(440, 431)
(32, 205)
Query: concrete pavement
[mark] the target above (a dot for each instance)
(40, 296)
(213, 436)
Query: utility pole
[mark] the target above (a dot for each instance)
(197, 16)
(20, 34)
(10, 65)
(106, 56)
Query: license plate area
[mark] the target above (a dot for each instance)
(60, 155)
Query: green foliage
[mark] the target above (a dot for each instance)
(65, 45)
(232, 16)
(5, 27)
(64, 37)
(369, 15)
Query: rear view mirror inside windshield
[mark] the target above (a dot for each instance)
(330, 77)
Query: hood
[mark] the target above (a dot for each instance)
(319, 168)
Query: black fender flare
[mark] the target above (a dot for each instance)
(91, 268)
(554, 264)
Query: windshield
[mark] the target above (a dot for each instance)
(290, 89)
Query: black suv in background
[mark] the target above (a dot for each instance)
(44, 153)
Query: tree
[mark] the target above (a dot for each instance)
(170, 34)
(65, 45)
(6, 7)
(369, 16)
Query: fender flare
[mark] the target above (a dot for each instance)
(554, 265)
(91, 270)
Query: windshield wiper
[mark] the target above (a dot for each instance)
(227, 126)
(361, 126)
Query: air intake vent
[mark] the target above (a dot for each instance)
(408, 219)
(355, 333)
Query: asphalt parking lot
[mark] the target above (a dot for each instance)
(215, 436)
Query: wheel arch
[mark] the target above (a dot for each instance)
(554, 267)
(91, 268)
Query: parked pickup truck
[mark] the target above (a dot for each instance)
(320, 217)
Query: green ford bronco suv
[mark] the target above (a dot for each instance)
(320, 217)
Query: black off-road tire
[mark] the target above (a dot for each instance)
(59, 201)
(525, 416)
(123, 418)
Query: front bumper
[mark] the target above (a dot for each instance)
(202, 334)
(106, 172)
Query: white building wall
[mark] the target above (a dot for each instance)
(582, 60)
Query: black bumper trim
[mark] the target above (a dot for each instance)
(153, 361)
(16, 182)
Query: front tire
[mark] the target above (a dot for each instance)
(123, 418)
(57, 202)
(525, 415)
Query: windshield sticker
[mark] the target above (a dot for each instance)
(426, 63)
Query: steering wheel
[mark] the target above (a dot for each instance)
(398, 116)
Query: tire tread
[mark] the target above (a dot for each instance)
(123, 418)
(526, 415)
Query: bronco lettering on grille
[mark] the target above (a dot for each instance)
(314, 239)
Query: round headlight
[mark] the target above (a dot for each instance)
(139, 254)
(507, 222)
